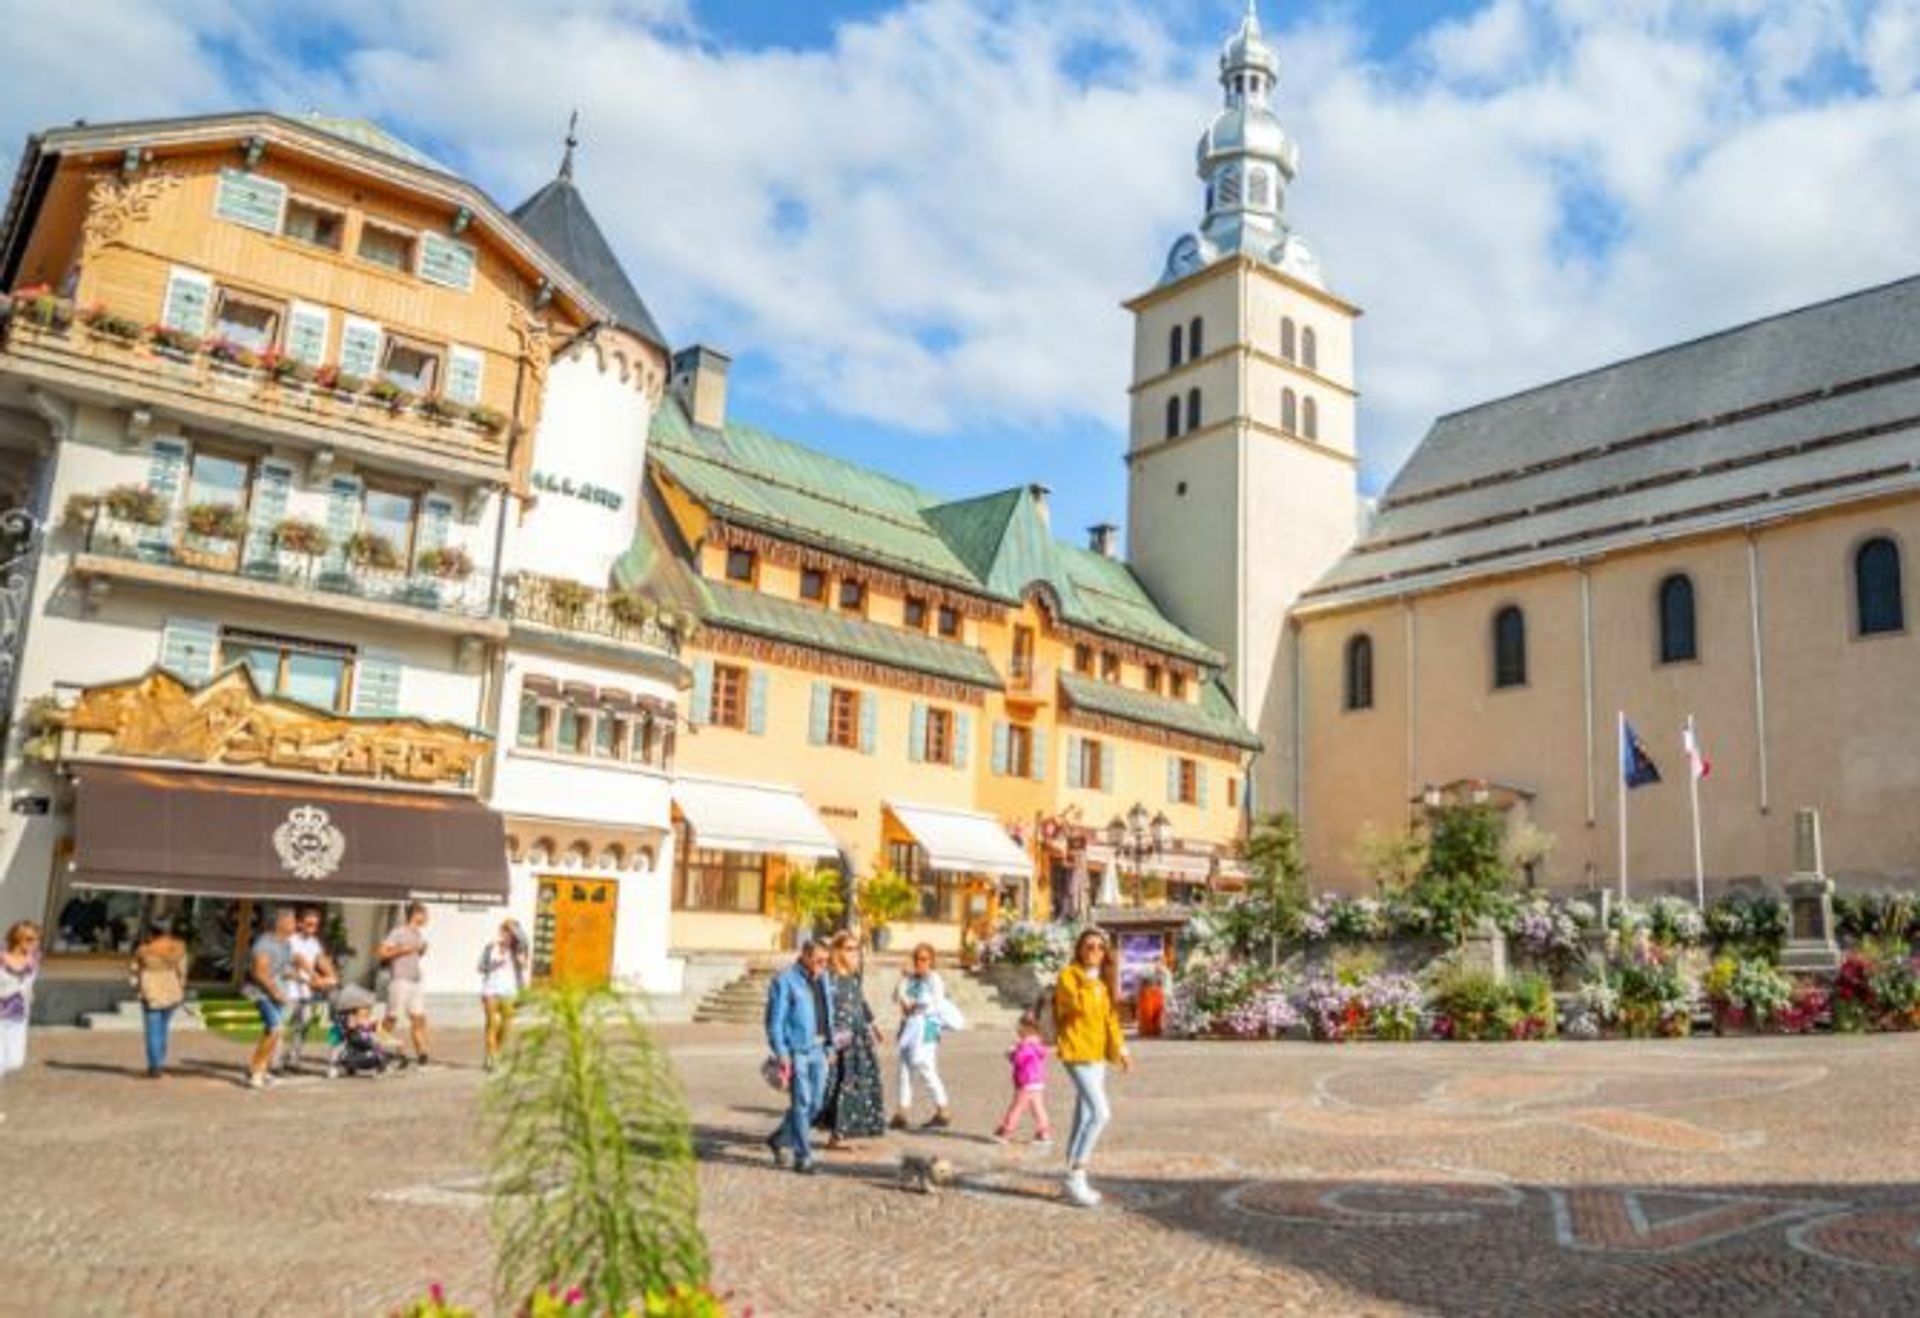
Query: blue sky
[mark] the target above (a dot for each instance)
(912, 222)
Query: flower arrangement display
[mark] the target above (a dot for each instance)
(448, 562)
(334, 379)
(216, 521)
(390, 395)
(296, 535)
(230, 353)
(1747, 992)
(37, 305)
(1394, 1004)
(289, 370)
(169, 339)
(1887, 916)
(105, 324)
(490, 419)
(370, 549)
(1334, 1012)
(437, 407)
(1657, 998)
(1547, 933)
(1028, 943)
(136, 504)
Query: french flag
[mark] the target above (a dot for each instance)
(1696, 755)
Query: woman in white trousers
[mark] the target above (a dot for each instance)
(922, 1000)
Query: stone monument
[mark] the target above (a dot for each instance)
(1810, 943)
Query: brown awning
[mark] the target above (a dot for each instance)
(216, 835)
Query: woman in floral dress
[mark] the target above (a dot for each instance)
(856, 1106)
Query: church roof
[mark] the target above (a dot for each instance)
(1802, 410)
(557, 218)
(997, 546)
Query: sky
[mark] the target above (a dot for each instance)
(913, 222)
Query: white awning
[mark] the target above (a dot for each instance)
(961, 842)
(760, 817)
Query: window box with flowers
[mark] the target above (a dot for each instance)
(213, 533)
(447, 563)
(120, 331)
(136, 504)
(37, 306)
(490, 419)
(296, 535)
(369, 549)
(434, 407)
(174, 345)
(80, 510)
(390, 396)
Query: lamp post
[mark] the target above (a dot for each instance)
(1135, 839)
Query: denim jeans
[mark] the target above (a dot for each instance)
(158, 1019)
(1090, 1109)
(804, 1097)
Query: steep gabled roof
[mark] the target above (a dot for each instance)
(1802, 410)
(557, 218)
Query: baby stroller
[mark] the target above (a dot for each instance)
(357, 1048)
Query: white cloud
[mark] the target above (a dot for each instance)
(930, 221)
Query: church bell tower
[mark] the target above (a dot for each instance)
(1242, 468)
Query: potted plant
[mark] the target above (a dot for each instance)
(390, 395)
(177, 344)
(216, 521)
(80, 510)
(568, 597)
(228, 353)
(630, 608)
(296, 535)
(136, 504)
(885, 899)
(105, 325)
(809, 900)
(370, 549)
(489, 419)
(38, 306)
(449, 563)
(435, 407)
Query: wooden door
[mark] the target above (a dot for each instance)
(573, 930)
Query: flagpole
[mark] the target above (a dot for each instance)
(1620, 787)
(1693, 790)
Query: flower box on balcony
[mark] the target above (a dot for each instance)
(173, 344)
(216, 521)
(38, 306)
(136, 504)
(449, 563)
(390, 396)
(107, 327)
(491, 420)
(297, 536)
(369, 550)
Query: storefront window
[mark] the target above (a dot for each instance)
(722, 880)
(311, 674)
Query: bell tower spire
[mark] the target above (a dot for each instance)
(573, 140)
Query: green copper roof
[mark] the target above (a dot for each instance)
(997, 545)
(1213, 719)
(364, 132)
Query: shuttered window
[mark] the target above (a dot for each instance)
(464, 369)
(189, 302)
(250, 200)
(272, 485)
(360, 349)
(446, 262)
(436, 519)
(187, 647)
(307, 334)
(376, 684)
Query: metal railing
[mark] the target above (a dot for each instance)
(568, 606)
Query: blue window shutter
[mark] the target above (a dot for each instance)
(189, 302)
(757, 702)
(167, 468)
(250, 200)
(436, 516)
(917, 733)
(1001, 737)
(376, 684)
(1075, 778)
(869, 721)
(962, 734)
(360, 348)
(343, 517)
(187, 646)
(1107, 783)
(464, 372)
(446, 262)
(272, 484)
(702, 710)
(817, 714)
(306, 340)
(1039, 754)
(1173, 779)
(1200, 785)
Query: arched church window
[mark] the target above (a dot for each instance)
(1196, 338)
(1289, 342)
(1359, 686)
(1309, 349)
(1310, 417)
(1174, 340)
(1679, 641)
(1509, 647)
(1879, 598)
(1173, 417)
(1289, 411)
(1193, 409)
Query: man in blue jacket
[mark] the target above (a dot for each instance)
(799, 1033)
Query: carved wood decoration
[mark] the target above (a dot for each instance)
(1151, 732)
(228, 722)
(114, 202)
(759, 649)
(536, 355)
(789, 554)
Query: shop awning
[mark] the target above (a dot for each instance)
(219, 835)
(961, 842)
(1174, 866)
(757, 817)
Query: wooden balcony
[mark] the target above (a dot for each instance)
(1030, 684)
(249, 567)
(249, 401)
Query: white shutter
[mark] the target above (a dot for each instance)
(251, 200)
(436, 516)
(272, 485)
(376, 684)
(186, 648)
(307, 334)
(189, 301)
(360, 348)
(465, 367)
(446, 262)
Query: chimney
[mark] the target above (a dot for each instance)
(700, 383)
(1039, 493)
(1104, 539)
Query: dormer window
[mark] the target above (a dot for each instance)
(1177, 685)
(915, 613)
(388, 248)
(314, 225)
(853, 596)
(813, 585)
(740, 566)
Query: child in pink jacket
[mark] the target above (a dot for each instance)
(1029, 1059)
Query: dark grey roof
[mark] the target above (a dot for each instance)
(1801, 410)
(557, 218)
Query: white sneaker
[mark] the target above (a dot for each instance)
(259, 1080)
(1079, 1193)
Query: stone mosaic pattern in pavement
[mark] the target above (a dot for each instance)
(1747, 1177)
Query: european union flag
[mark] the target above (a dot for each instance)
(1636, 766)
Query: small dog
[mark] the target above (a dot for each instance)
(924, 1175)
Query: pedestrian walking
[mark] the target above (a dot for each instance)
(401, 952)
(313, 981)
(159, 973)
(799, 1033)
(269, 967)
(1028, 1057)
(503, 978)
(19, 967)
(922, 999)
(856, 1101)
(1087, 1027)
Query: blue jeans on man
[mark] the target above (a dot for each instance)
(157, 1021)
(805, 1095)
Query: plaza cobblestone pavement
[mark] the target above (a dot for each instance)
(1752, 1177)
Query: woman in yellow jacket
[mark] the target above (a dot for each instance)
(1087, 1030)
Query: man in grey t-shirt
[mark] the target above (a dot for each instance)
(400, 953)
(269, 965)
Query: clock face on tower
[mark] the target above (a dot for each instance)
(1185, 257)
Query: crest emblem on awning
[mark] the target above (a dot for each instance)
(308, 844)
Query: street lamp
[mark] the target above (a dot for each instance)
(1135, 839)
